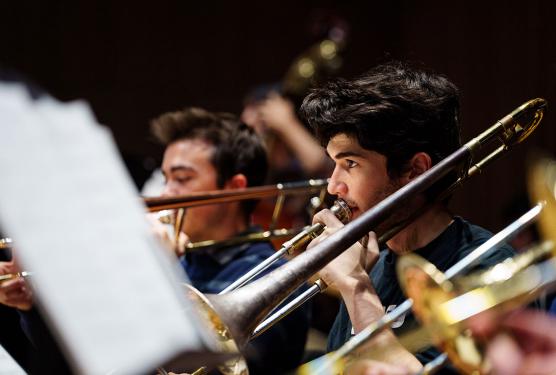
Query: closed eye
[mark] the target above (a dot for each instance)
(183, 179)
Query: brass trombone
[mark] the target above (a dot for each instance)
(166, 207)
(225, 196)
(301, 240)
(509, 137)
(235, 315)
(510, 130)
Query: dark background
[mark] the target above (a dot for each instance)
(133, 61)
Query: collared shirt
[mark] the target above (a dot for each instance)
(211, 270)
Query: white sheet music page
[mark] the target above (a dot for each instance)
(109, 292)
(8, 366)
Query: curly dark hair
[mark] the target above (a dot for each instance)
(394, 109)
(238, 149)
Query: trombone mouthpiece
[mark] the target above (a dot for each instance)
(341, 210)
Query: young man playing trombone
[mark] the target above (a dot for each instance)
(208, 151)
(382, 130)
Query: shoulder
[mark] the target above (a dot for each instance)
(251, 255)
(475, 236)
(260, 249)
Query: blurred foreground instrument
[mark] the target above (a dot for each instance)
(445, 306)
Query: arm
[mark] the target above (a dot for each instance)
(347, 273)
(278, 114)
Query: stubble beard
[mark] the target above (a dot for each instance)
(396, 217)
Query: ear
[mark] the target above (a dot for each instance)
(419, 164)
(237, 181)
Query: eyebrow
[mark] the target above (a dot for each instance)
(347, 154)
(185, 168)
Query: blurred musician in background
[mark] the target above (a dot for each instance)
(382, 130)
(293, 151)
(208, 151)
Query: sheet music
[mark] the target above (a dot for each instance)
(111, 294)
(8, 366)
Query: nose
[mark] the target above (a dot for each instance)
(336, 185)
(169, 189)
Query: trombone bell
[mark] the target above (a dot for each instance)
(225, 341)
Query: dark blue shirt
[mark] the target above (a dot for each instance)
(457, 241)
(552, 308)
(211, 270)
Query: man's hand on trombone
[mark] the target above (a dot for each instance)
(349, 274)
(160, 231)
(14, 292)
(353, 264)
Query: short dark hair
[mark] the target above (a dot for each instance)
(394, 109)
(238, 149)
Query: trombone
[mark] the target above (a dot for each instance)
(226, 196)
(166, 207)
(340, 209)
(510, 130)
(235, 315)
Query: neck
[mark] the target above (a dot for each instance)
(226, 231)
(227, 224)
(422, 230)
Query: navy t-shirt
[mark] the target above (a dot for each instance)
(457, 241)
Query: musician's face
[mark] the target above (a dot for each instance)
(360, 176)
(187, 169)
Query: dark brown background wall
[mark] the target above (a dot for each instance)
(133, 62)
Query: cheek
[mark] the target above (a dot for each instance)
(182, 190)
(369, 192)
(200, 215)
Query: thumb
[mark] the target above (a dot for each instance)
(372, 250)
(183, 241)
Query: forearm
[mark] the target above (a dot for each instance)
(304, 146)
(361, 300)
(364, 307)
